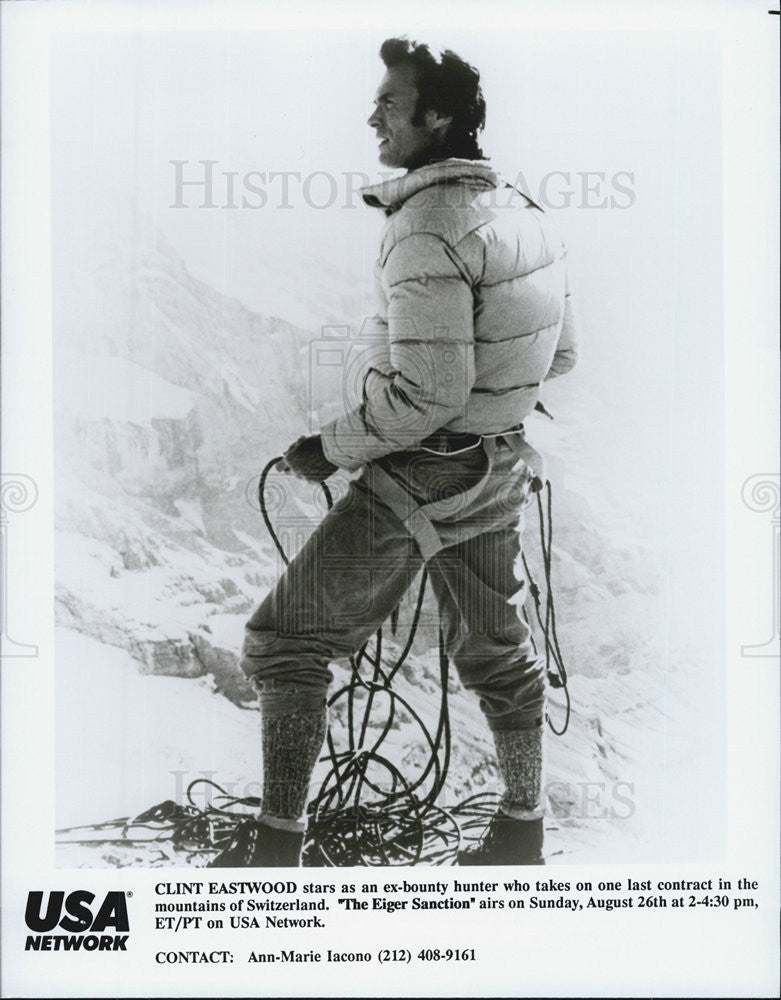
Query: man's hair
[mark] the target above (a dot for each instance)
(445, 84)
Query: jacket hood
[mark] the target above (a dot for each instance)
(393, 193)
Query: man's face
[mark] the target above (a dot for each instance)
(402, 144)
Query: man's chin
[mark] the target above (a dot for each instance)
(387, 159)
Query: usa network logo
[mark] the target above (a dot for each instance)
(76, 914)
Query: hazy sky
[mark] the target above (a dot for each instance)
(641, 109)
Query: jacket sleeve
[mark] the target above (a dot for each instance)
(567, 347)
(428, 371)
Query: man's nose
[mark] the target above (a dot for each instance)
(375, 119)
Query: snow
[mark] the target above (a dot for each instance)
(192, 513)
(171, 398)
(167, 725)
(117, 389)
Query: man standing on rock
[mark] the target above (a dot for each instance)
(475, 316)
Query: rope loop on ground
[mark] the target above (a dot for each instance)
(367, 811)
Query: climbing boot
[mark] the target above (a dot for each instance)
(255, 844)
(506, 841)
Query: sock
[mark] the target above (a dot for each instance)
(519, 755)
(291, 746)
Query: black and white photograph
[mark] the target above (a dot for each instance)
(224, 281)
(390, 486)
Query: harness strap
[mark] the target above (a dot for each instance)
(416, 517)
(406, 508)
(522, 449)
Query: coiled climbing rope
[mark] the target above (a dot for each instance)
(356, 820)
(367, 812)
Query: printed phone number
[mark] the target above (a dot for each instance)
(428, 955)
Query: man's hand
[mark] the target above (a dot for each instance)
(306, 459)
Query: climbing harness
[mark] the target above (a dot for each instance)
(355, 820)
(367, 812)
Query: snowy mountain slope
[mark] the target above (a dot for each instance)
(170, 399)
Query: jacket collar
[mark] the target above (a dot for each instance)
(391, 194)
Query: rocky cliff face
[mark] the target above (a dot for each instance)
(165, 415)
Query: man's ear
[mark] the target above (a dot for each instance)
(435, 120)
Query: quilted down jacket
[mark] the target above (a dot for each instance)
(475, 313)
